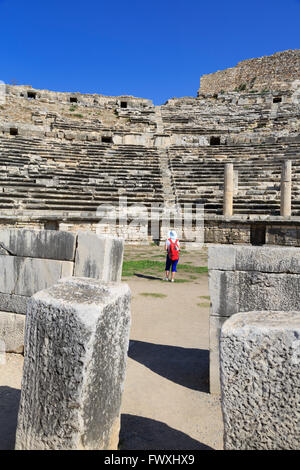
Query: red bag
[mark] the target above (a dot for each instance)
(173, 250)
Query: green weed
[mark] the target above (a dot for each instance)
(153, 294)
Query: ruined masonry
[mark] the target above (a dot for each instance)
(255, 344)
(33, 260)
(62, 155)
(245, 279)
(67, 160)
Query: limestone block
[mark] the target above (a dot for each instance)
(260, 356)
(268, 291)
(76, 342)
(221, 257)
(279, 259)
(242, 291)
(48, 244)
(25, 276)
(13, 303)
(99, 257)
(224, 292)
(12, 327)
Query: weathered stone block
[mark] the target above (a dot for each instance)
(240, 291)
(12, 331)
(13, 303)
(224, 292)
(260, 356)
(25, 276)
(268, 291)
(99, 257)
(221, 257)
(278, 259)
(76, 342)
(48, 244)
(268, 259)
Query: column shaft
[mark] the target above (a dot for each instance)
(286, 189)
(228, 190)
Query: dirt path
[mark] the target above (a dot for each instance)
(166, 404)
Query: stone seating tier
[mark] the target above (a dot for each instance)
(198, 176)
(40, 175)
(49, 175)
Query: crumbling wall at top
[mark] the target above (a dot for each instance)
(275, 72)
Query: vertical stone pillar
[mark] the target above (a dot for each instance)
(286, 189)
(76, 343)
(228, 190)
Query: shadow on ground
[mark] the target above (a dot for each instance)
(146, 276)
(184, 366)
(9, 405)
(138, 433)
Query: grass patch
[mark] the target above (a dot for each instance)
(140, 266)
(153, 294)
(203, 304)
(207, 297)
(131, 267)
(192, 269)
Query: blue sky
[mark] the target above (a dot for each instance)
(156, 49)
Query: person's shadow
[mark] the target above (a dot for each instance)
(139, 433)
(145, 276)
(185, 366)
(9, 406)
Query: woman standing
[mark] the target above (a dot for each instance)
(172, 248)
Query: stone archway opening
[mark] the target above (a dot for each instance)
(215, 140)
(258, 235)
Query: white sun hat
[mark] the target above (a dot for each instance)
(172, 234)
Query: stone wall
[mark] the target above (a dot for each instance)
(275, 72)
(216, 229)
(246, 278)
(257, 230)
(34, 113)
(86, 99)
(32, 260)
